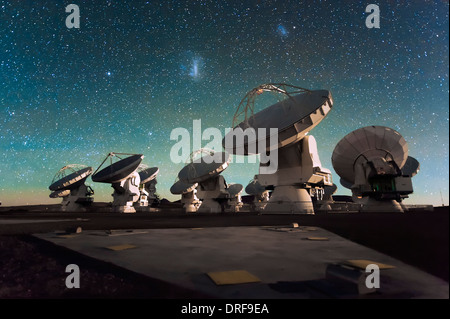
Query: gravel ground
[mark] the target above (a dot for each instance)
(32, 268)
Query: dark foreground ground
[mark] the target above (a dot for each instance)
(32, 268)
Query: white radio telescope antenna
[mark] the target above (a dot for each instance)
(373, 161)
(69, 184)
(147, 188)
(121, 174)
(204, 168)
(299, 174)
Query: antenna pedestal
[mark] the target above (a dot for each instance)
(150, 188)
(147, 189)
(69, 204)
(142, 204)
(126, 193)
(190, 201)
(373, 162)
(143, 198)
(189, 198)
(210, 205)
(380, 191)
(299, 174)
(147, 195)
(324, 202)
(289, 200)
(373, 205)
(68, 183)
(260, 195)
(77, 200)
(213, 194)
(260, 201)
(234, 199)
(234, 204)
(324, 205)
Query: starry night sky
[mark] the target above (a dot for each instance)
(135, 70)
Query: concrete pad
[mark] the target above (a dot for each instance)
(287, 265)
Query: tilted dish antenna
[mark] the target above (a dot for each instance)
(372, 159)
(179, 187)
(188, 190)
(147, 188)
(411, 167)
(204, 164)
(123, 178)
(69, 184)
(235, 189)
(188, 193)
(117, 171)
(259, 192)
(60, 194)
(70, 177)
(282, 128)
(204, 167)
(235, 199)
(146, 173)
(246, 107)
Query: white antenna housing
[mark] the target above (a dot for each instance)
(235, 199)
(69, 184)
(212, 188)
(259, 192)
(147, 188)
(123, 178)
(374, 161)
(188, 193)
(300, 174)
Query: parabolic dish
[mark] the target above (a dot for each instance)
(345, 183)
(294, 117)
(411, 167)
(254, 188)
(182, 188)
(118, 171)
(148, 174)
(330, 190)
(234, 189)
(71, 181)
(368, 142)
(204, 168)
(60, 193)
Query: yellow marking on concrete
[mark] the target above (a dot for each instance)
(318, 238)
(232, 277)
(363, 263)
(121, 247)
